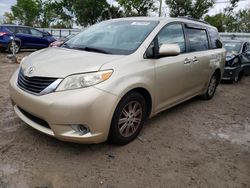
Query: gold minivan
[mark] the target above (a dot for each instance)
(103, 83)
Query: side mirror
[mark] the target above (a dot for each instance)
(45, 34)
(169, 50)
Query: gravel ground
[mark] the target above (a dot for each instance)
(196, 144)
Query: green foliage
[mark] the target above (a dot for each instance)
(26, 11)
(179, 7)
(243, 17)
(8, 18)
(54, 13)
(231, 21)
(201, 7)
(89, 11)
(137, 7)
(217, 21)
(112, 12)
(195, 9)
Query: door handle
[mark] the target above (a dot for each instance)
(195, 60)
(187, 61)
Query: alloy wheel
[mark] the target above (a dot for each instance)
(130, 118)
(212, 86)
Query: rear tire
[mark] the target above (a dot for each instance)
(128, 119)
(213, 83)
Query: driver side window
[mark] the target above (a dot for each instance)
(172, 34)
(36, 33)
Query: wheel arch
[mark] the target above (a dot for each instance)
(218, 74)
(146, 95)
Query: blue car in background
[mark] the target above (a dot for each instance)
(25, 38)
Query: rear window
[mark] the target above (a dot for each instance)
(215, 38)
(198, 40)
(12, 29)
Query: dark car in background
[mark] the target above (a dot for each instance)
(25, 38)
(60, 41)
(237, 60)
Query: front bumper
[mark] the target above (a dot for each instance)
(230, 73)
(62, 110)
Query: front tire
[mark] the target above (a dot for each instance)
(128, 119)
(213, 83)
(16, 46)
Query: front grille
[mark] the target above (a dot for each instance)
(35, 119)
(33, 84)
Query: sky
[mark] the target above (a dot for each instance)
(219, 6)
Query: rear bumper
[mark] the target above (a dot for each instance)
(4, 41)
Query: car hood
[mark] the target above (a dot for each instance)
(61, 62)
(230, 56)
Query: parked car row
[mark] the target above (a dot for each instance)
(25, 38)
(237, 59)
(103, 83)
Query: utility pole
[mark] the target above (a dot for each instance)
(160, 8)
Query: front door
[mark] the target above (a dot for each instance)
(172, 74)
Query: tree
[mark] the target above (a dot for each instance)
(88, 12)
(8, 18)
(229, 21)
(195, 9)
(54, 13)
(243, 18)
(201, 7)
(26, 11)
(217, 21)
(112, 12)
(179, 7)
(137, 7)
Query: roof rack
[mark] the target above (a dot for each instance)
(193, 19)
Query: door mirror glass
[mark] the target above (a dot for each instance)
(169, 50)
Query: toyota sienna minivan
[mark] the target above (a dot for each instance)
(106, 81)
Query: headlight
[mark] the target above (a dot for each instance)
(84, 80)
(235, 61)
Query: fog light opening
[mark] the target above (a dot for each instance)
(81, 129)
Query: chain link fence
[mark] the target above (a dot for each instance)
(61, 33)
(235, 36)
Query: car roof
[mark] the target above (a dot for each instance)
(168, 19)
(13, 25)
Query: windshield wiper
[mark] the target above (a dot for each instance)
(92, 49)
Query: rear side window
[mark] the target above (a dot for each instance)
(172, 34)
(198, 40)
(215, 38)
(12, 29)
(23, 30)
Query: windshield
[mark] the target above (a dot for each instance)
(233, 46)
(112, 37)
